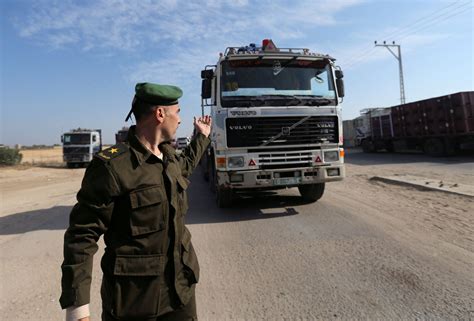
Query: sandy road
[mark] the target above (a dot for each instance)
(367, 250)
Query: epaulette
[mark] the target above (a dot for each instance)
(112, 152)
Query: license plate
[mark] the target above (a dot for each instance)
(286, 181)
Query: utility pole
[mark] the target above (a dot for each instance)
(400, 68)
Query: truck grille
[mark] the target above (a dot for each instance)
(249, 132)
(285, 159)
(76, 150)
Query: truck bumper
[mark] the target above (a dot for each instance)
(77, 158)
(281, 178)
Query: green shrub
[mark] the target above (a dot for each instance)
(10, 156)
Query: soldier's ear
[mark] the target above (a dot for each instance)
(160, 114)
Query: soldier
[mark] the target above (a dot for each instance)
(135, 194)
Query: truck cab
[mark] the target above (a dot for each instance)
(121, 135)
(276, 121)
(80, 145)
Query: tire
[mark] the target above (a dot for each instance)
(312, 192)
(450, 147)
(212, 174)
(368, 146)
(389, 147)
(205, 167)
(434, 147)
(224, 197)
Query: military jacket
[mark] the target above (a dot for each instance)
(138, 202)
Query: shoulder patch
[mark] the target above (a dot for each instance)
(112, 152)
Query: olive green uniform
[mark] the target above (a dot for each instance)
(138, 202)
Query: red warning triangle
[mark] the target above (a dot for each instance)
(318, 159)
(252, 163)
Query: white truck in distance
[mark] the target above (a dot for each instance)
(276, 121)
(182, 142)
(80, 145)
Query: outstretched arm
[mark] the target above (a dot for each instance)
(191, 155)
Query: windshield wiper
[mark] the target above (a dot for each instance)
(314, 100)
(294, 100)
(290, 100)
(318, 102)
(245, 101)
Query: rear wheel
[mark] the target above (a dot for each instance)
(312, 192)
(368, 146)
(389, 147)
(434, 147)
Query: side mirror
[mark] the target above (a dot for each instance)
(62, 139)
(339, 74)
(94, 138)
(207, 74)
(206, 89)
(340, 87)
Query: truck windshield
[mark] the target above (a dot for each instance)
(76, 139)
(277, 82)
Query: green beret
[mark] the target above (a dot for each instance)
(164, 95)
(155, 94)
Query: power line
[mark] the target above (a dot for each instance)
(405, 29)
(427, 22)
(435, 22)
(401, 29)
(426, 19)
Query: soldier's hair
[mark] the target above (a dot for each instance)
(141, 109)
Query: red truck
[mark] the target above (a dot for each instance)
(437, 126)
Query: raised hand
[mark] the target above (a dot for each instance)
(203, 125)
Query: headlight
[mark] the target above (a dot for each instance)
(331, 156)
(235, 161)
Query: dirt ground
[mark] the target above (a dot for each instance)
(367, 250)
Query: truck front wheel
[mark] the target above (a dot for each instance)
(206, 168)
(224, 197)
(312, 192)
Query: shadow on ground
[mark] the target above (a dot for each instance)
(357, 157)
(202, 210)
(55, 218)
(255, 206)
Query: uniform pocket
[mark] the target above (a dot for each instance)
(137, 286)
(190, 260)
(183, 184)
(147, 214)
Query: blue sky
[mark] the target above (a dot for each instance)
(67, 64)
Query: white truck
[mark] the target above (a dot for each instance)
(276, 121)
(80, 145)
(182, 142)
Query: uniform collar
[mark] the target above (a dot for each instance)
(168, 151)
(142, 153)
(138, 149)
